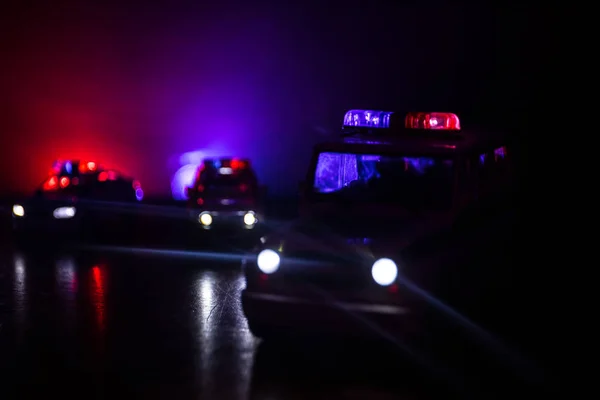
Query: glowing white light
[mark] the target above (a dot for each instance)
(250, 218)
(18, 210)
(205, 219)
(64, 212)
(225, 171)
(268, 261)
(384, 271)
(183, 178)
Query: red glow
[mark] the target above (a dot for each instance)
(98, 295)
(75, 181)
(51, 184)
(112, 175)
(201, 188)
(243, 188)
(64, 182)
(102, 177)
(433, 120)
(89, 166)
(200, 201)
(393, 288)
(264, 277)
(238, 164)
(136, 185)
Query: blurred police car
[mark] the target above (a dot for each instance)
(75, 195)
(226, 196)
(391, 181)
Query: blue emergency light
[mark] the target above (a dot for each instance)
(385, 123)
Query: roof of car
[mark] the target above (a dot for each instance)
(418, 143)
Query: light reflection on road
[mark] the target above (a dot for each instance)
(223, 333)
(20, 291)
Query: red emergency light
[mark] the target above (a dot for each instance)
(89, 166)
(432, 121)
(51, 183)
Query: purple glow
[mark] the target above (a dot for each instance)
(183, 178)
(367, 118)
(186, 165)
(139, 194)
(500, 152)
(335, 171)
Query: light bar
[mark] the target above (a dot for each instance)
(227, 163)
(367, 119)
(432, 120)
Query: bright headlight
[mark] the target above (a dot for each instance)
(384, 271)
(18, 210)
(249, 218)
(64, 212)
(205, 219)
(268, 261)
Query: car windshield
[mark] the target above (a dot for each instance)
(411, 182)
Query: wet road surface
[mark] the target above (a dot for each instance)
(99, 321)
(99, 324)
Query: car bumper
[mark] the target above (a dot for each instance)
(305, 316)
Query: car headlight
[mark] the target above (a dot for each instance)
(205, 219)
(268, 261)
(250, 218)
(384, 271)
(18, 210)
(64, 212)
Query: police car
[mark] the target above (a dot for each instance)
(76, 193)
(390, 181)
(226, 195)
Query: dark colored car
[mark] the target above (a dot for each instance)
(226, 196)
(77, 196)
(343, 267)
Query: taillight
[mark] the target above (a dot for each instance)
(102, 177)
(64, 182)
(201, 188)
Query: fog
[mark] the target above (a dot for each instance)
(137, 88)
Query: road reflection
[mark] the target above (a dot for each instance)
(20, 292)
(97, 276)
(65, 276)
(226, 344)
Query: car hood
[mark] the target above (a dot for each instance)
(368, 232)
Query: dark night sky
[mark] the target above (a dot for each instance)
(137, 87)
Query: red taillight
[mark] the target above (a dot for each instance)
(51, 183)
(201, 188)
(102, 177)
(64, 182)
(200, 201)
